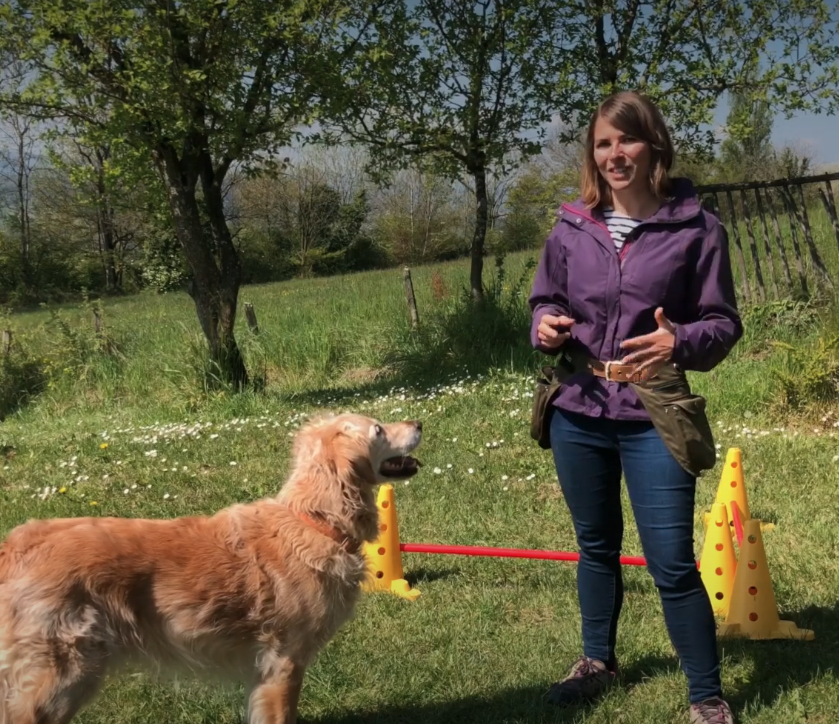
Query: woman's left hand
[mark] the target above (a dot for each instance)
(654, 350)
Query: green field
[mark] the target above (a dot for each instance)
(134, 433)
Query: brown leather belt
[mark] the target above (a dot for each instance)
(615, 371)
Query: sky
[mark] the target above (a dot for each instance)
(817, 134)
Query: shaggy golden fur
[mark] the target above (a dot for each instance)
(251, 593)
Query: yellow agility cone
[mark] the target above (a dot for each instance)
(754, 613)
(732, 487)
(718, 563)
(383, 556)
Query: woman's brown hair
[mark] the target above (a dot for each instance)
(636, 115)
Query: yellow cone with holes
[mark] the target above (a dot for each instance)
(732, 488)
(753, 612)
(718, 563)
(384, 559)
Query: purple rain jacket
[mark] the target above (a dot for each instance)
(676, 259)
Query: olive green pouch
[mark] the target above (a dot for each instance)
(547, 387)
(680, 417)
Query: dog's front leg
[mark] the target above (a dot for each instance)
(275, 699)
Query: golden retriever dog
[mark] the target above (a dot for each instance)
(251, 593)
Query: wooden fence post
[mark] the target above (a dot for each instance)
(804, 221)
(753, 247)
(410, 298)
(747, 293)
(6, 344)
(830, 206)
(769, 260)
(814, 251)
(799, 263)
(250, 315)
(799, 224)
(782, 253)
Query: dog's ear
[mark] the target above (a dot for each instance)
(353, 462)
(350, 458)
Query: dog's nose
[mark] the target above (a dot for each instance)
(418, 425)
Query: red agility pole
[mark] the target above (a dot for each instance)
(506, 553)
(738, 525)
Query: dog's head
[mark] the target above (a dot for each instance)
(339, 459)
(377, 451)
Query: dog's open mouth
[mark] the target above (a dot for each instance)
(403, 466)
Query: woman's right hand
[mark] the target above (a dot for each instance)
(552, 330)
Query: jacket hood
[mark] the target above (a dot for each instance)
(681, 205)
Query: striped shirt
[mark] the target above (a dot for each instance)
(619, 226)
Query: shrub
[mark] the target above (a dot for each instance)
(459, 333)
(82, 355)
(809, 374)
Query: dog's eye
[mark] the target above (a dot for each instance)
(378, 430)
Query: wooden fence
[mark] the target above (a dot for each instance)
(783, 205)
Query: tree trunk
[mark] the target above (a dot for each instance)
(215, 284)
(230, 272)
(107, 236)
(479, 237)
(23, 211)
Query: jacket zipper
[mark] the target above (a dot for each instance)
(627, 242)
(620, 255)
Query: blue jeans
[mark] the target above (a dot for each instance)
(590, 455)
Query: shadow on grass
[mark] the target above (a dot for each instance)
(515, 705)
(421, 575)
(782, 666)
(525, 705)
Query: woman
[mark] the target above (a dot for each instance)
(636, 275)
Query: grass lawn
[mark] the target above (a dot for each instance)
(487, 636)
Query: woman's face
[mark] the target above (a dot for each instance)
(623, 161)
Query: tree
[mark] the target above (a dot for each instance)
(117, 195)
(466, 87)
(416, 218)
(685, 54)
(342, 167)
(747, 150)
(19, 156)
(194, 87)
(308, 209)
(540, 186)
(793, 161)
(533, 202)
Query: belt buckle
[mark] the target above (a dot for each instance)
(635, 377)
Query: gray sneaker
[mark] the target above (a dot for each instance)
(587, 680)
(711, 711)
